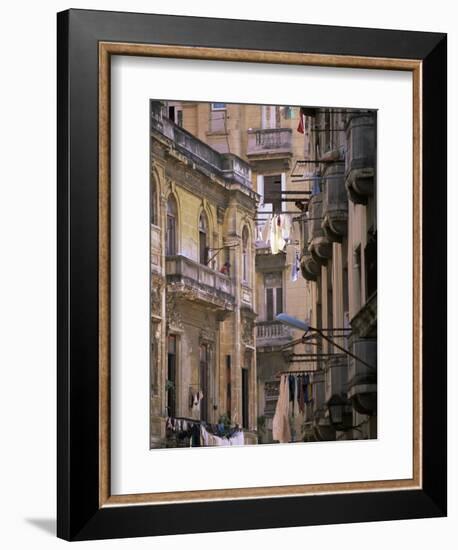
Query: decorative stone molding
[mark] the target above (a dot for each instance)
(248, 331)
(174, 318)
(157, 286)
(220, 212)
(206, 336)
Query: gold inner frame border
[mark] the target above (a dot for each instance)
(106, 50)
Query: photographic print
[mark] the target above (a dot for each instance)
(263, 274)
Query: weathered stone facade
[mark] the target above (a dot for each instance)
(202, 299)
(339, 262)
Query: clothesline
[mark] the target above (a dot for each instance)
(203, 434)
(302, 371)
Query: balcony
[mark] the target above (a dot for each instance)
(310, 269)
(320, 246)
(362, 380)
(272, 334)
(364, 323)
(197, 283)
(360, 157)
(268, 143)
(335, 204)
(228, 166)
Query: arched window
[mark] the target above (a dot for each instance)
(154, 218)
(203, 239)
(171, 235)
(245, 255)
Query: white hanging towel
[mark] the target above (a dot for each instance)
(277, 243)
(286, 226)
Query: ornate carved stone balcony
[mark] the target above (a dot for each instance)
(362, 380)
(320, 246)
(272, 329)
(335, 203)
(195, 282)
(360, 157)
(268, 143)
(364, 323)
(310, 269)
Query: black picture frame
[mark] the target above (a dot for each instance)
(80, 516)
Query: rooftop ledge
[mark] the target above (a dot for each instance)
(226, 165)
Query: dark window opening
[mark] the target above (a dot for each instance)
(245, 253)
(153, 202)
(245, 394)
(203, 239)
(279, 302)
(204, 385)
(154, 359)
(228, 385)
(269, 304)
(357, 275)
(370, 260)
(171, 376)
(272, 192)
(176, 115)
(171, 235)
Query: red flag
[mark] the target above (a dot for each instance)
(300, 127)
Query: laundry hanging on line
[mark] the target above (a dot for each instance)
(295, 393)
(277, 231)
(277, 243)
(208, 439)
(295, 267)
(199, 433)
(281, 430)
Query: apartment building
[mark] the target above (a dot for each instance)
(203, 235)
(339, 263)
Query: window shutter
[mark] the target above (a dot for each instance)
(269, 304)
